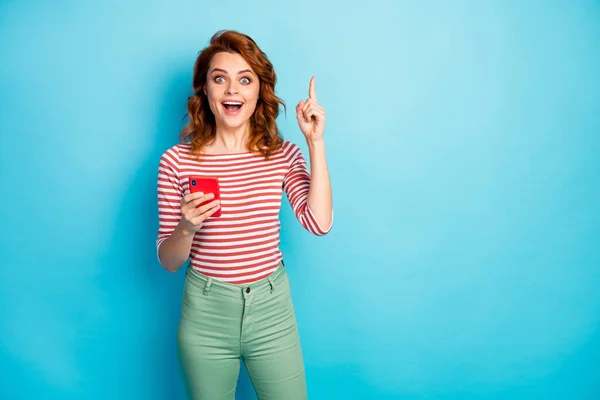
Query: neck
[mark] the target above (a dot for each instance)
(231, 140)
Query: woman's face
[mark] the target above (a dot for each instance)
(232, 89)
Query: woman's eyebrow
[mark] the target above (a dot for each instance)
(222, 70)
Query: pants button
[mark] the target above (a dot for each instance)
(247, 290)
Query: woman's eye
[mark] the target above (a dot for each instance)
(221, 79)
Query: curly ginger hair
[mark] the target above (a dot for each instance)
(200, 130)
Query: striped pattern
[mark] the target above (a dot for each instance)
(241, 246)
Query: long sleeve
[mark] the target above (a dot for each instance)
(169, 193)
(296, 185)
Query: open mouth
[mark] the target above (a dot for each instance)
(232, 107)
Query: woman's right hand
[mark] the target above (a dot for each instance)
(192, 217)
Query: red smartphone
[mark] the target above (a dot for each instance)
(206, 184)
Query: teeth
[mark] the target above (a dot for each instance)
(233, 103)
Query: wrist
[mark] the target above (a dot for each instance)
(315, 143)
(183, 231)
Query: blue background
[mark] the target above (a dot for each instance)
(463, 140)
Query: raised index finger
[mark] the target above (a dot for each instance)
(311, 90)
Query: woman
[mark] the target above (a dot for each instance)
(237, 303)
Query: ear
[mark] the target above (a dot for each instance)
(204, 89)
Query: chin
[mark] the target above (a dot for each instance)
(234, 124)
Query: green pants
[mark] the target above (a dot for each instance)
(223, 323)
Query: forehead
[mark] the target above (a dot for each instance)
(231, 62)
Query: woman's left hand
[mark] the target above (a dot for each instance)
(311, 116)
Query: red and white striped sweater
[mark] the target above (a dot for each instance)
(241, 246)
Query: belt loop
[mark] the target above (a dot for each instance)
(207, 286)
(270, 279)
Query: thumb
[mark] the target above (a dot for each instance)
(299, 108)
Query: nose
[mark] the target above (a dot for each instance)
(231, 88)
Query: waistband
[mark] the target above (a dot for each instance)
(215, 286)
